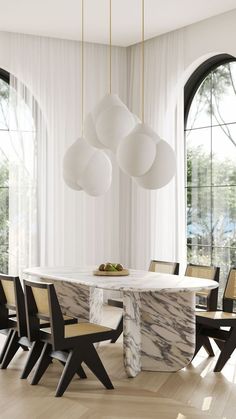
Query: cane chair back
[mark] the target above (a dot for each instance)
(164, 267)
(42, 304)
(229, 296)
(209, 296)
(12, 300)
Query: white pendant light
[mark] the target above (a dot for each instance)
(136, 152)
(90, 131)
(111, 120)
(139, 154)
(75, 161)
(88, 169)
(97, 176)
(163, 169)
(84, 167)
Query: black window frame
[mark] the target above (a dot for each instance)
(190, 89)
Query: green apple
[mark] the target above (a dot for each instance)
(109, 267)
(119, 267)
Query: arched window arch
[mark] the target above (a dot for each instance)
(210, 140)
(18, 175)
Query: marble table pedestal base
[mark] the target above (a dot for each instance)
(159, 331)
(159, 328)
(80, 301)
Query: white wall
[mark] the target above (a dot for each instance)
(212, 36)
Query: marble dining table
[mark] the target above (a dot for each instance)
(159, 311)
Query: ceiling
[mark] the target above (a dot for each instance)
(61, 18)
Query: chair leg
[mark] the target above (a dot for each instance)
(6, 343)
(202, 340)
(80, 371)
(227, 351)
(207, 346)
(71, 367)
(44, 362)
(33, 357)
(25, 348)
(11, 350)
(219, 343)
(92, 360)
(199, 340)
(118, 331)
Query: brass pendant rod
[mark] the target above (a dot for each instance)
(110, 47)
(82, 67)
(142, 65)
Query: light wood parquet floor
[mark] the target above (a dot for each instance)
(192, 393)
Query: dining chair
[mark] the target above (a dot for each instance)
(220, 324)
(155, 266)
(12, 318)
(71, 344)
(207, 300)
(13, 324)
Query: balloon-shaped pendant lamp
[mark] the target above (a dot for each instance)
(85, 167)
(143, 154)
(110, 120)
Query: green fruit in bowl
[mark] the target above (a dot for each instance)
(109, 267)
(119, 267)
(102, 267)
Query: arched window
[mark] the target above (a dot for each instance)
(210, 133)
(18, 175)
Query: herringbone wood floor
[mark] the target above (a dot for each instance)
(193, 393)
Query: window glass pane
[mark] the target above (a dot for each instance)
(20, 115)
(224, 216)
(3, 214)
(224, 155)
(198, 143)
(224, 94)
(4, 259)
(199, 216)
(224, 258)
(4, 169)
(4, 105)
(200, 110)
(199, 255)
(18, 147)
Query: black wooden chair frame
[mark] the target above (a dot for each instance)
(212, 297)
(13, 325)
(70, 351)
(212, 328)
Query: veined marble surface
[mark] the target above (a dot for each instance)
(159, 319)
(82, 302)
(159, 331)
(138, 281)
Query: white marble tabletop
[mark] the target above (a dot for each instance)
(137, 281)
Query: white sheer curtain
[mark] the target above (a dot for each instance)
(74, 229)
(157, 218)
(128, 224)
(20, 149)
